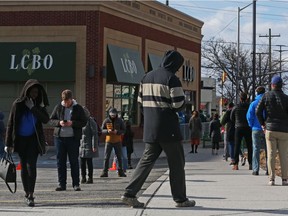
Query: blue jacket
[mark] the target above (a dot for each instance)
(251, 114)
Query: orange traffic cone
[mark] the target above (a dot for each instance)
(114, 166)
(18, 166)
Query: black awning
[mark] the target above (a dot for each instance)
(154, 61)
(124, 65)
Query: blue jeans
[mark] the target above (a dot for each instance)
(258, 139)
(124, 158)
(67, 146)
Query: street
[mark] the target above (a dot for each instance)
(103, 193)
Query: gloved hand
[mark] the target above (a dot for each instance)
(9, 149)
(29, 103)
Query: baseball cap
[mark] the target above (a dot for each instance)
(276, 80)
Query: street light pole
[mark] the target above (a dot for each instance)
(238, 51)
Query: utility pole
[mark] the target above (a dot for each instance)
(254, 51)
(270, 55)
(280, 51)
(259, 74)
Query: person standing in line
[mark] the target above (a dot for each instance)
(2, 134)
(25, 133)
(274, 124)
(161, 96)
(215, 133)
(195, 127)
(258, 137)
(230, 131)
(113, 127)
(242, 129)
(68, 119)
(128, 141)
(88, 147)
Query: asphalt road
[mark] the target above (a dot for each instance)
(103, 193)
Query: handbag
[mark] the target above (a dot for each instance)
(8, 171)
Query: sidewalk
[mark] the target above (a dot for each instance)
(210, 181)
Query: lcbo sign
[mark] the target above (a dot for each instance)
(35, 61)
(44, 61)
(129, 66)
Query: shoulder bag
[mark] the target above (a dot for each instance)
(8, 171)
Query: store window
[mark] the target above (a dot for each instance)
(124, 99)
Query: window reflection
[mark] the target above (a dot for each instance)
(124, 99)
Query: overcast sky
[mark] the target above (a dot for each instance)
(220, 19)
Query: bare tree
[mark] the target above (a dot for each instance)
(219, 56)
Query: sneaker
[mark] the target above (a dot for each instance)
(187, 203)
(191, 152)
(284, 182)
(104, 174)
(132, 201)
(30, 201)
(59, 188)
(77, 188)
(235, 167)
(255, 173)
(89, 181)
(271, 182)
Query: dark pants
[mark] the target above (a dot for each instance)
(89, 163)
(28, 154)
(67, 146)
(241, 133)
(118, 152)
(176, 162)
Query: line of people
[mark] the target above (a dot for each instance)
(262, 125)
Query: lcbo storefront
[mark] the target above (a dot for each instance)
(98, 49)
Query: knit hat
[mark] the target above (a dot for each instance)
(276, 80)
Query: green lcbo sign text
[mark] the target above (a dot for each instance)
(45, 61)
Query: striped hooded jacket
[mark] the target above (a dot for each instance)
(161, 96)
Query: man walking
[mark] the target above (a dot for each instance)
(161, 96)
(258, 137)
(275, 105)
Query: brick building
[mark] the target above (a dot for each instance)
(98, 49)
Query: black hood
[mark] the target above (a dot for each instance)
(42, 98)
(172, 61)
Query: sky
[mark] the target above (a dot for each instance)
(220, 21)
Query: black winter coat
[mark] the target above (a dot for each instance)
(275, 105)
(78, 119)
(39, 111)
(238, 115)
